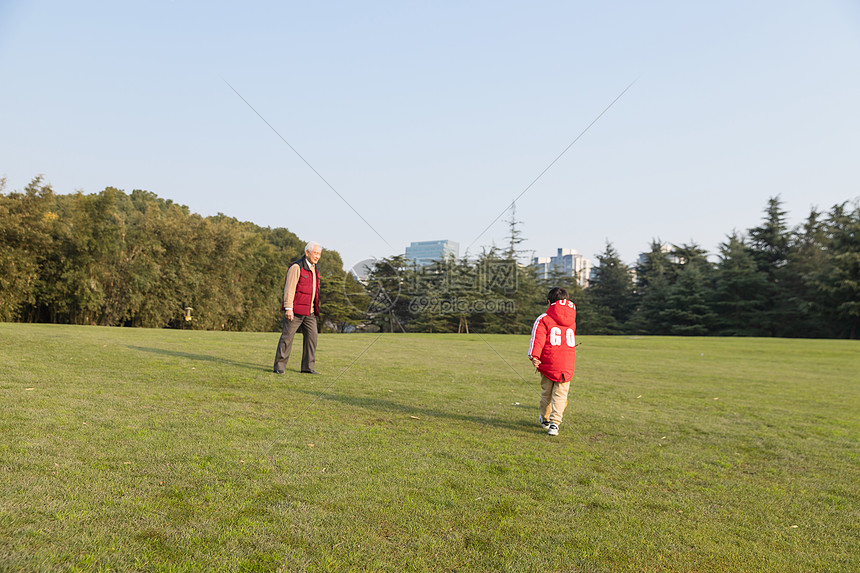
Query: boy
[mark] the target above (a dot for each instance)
(552, 350)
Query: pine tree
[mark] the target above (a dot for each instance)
(769, 245)
(807, 255)
(389, 304)
(654, 275)
(839, 278)
(687, 312)
(610, 295)
(739, 290)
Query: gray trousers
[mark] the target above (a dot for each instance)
(308, 326)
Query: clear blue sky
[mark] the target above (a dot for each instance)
(430, 117)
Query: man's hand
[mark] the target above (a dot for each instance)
(535, 361)
(290, 315)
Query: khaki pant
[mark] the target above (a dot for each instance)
(553, 399)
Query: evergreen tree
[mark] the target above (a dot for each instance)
(687, 312)
(520, 286)
(838, 281)
(769, 242)
(807, 256)
(691, 255)
(769, 246)
(739, 290)
(654, 275)
(433, 297)
(389, 304)
(337, 308)
(610, 294)
(652, 265)
(558, 278)
(529, 298)
(465, 289)
(515, 236)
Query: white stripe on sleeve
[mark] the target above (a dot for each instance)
(534, 328)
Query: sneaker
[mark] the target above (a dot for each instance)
(553, 430)
(543, 422)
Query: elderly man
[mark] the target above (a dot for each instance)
(301, 307)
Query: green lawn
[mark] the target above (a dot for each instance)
(134, 449)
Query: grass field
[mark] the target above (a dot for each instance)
(133, 449)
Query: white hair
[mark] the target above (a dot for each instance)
(310, 246)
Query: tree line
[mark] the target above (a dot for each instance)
(135, 259)
(770, 281)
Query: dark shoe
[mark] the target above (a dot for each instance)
(309, 372)
(278, 371)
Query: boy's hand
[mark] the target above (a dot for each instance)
(535, 361)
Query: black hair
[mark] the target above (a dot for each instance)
(556, 294)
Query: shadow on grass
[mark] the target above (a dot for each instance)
(390, 407)
(201, 357)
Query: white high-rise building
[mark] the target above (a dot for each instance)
(567, 262)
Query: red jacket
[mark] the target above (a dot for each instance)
(553, 341)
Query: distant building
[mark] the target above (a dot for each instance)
(568, 262)
(542, 266)
(425, 252)
(666, 249)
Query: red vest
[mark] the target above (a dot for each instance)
(302, 299)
